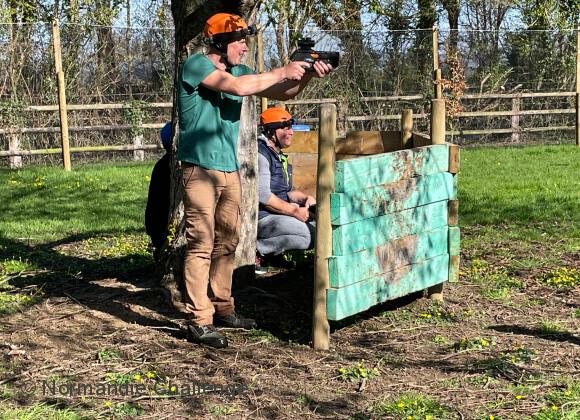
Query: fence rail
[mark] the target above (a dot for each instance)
(514, 115)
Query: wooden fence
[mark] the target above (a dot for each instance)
(515, 118)
(516, 114)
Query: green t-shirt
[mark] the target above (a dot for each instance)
(209, 121)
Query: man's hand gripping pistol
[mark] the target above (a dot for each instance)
(305, 52)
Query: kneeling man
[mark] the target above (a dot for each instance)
(284, 219)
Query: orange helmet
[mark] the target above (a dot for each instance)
(225, 27)
(274, 118)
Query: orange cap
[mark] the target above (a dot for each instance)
(275, 115)
(223, 23)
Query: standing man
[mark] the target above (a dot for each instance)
(284, 220)
(211, 87)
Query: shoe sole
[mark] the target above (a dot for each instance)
(218, 345)
(203, 343)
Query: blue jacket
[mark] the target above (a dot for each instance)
(280, 182)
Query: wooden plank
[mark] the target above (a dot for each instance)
(509, 130)
(404, 194)
(361, 143)
(453, 158)
(355, 142)
(124, 127)
(352, 268)
(454, 240)
(382, 117)
(304, 161)
(83, 149)
(514, 95)
(309, 102)
(355, 174)
(392, 98)
(305, 183)
(365, 234)
(350, 300)
(513, 112)
(303, 142)
(454, 268)
(94, 107)
(453, 212)
(369, 142)
(304, 168)
(421, 140)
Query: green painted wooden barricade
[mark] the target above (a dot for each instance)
(394, 227)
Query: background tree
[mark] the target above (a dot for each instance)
(453, 9)
(485, 19)
(545, 59)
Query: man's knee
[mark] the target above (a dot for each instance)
(230, 247)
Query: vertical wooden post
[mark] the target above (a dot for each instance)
(14, 146)
(437, 104)
(138, 152)
(437, 82)
(578, 86)
(61, 95)
(516, 103)
(577, 118)
(324, 186)
(435, 33)
(261, 67)
(407, 128)
(438, 121)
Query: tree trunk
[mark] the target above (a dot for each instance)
(427, 19)
(106, 62)
(453, 8)
(189, 17)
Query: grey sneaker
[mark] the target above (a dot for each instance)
(233, 320)
(208, 335)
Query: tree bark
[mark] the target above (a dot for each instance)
(427, 19)
(453, 8)
(106, 48)
(189, 17)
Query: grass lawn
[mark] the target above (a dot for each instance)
(43, 204)
(78, 300)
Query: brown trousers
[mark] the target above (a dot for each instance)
(212, 227)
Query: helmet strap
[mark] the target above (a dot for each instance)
(222, 49)
(277, 141)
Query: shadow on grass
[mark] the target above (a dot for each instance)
(74, 277)
(537, 332)
(282, 305)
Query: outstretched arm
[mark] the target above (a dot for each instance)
(281, 83)
(291, 88)
(252, 84)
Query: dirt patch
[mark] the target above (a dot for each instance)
(93, 329)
